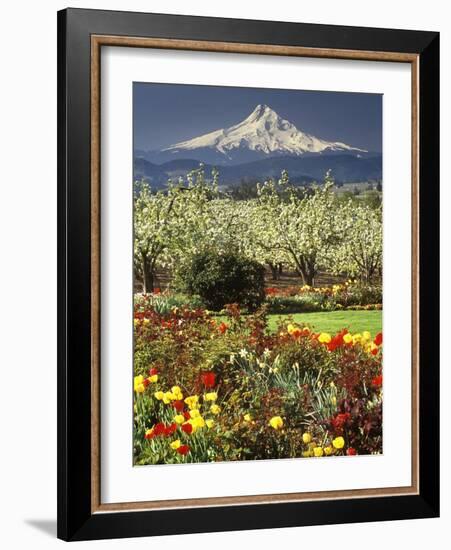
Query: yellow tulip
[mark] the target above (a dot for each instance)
(210, 423)
(176, 444)
(153, 378)
(276, 422)
(328, 450)
(215, 409)
(179, 419)
(324, 338)
(168, 397)
(138, 383)
(177, 393)
(247, 417)
(197, 422)
(194, 413)
(212, 396)
(338, 442)
(306, 438)
(347, 338)
(318, 451)
(159, 395)
(192, 401)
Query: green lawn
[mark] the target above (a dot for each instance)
(333, 321)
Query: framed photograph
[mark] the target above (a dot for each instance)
(248, 274)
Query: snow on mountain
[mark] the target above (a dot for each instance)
(263, 132)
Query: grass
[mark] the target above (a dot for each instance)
(333, 321)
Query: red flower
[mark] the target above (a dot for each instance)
(149, 435)
(208, 379)
(187, 428)
(337, 341)
(178, 405)
(271, 291)
(145, 382)
(169, 430)
(186, 415)
(377, 381)
(157, 291)
(222, 328)
(351, 451)
(159, 428)
(340, 420)
(153, 371)
(378, 339)
(183, 450)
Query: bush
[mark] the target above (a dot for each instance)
(221, 279)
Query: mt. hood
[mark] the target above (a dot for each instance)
(261, 135)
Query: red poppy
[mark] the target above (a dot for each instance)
(153, 371)
(159, 428)
(378, 339)
(183, 450)
(222, 328)
(351, 451)
(169, 430)
(187, 428)
(208, 379)
(178, 405)
(377, 381)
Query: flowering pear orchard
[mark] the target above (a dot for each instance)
(224, 366)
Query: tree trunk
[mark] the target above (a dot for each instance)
(148, 276)
(307, 272)
(274, 271)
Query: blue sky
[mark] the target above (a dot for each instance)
(168, 113)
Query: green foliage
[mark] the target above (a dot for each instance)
(221, 279)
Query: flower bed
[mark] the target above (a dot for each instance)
(216, 391)
(350, 295)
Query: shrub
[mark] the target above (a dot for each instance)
(221, 279)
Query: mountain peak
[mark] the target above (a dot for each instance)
(262, 109)
(264, 133)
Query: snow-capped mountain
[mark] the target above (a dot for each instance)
(262, 134)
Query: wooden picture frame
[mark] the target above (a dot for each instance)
(81, 35)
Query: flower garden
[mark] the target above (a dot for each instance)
(209, 390)
(228, 365)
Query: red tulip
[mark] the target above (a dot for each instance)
(378, 339)
(178, 405)
(153, 371)
(377, 381)
(169, 430)
(183, 450)
(208, 379)
(351, 451)
(187, 428)
(159, 428)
